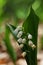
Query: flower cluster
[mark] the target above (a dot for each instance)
(22, 40)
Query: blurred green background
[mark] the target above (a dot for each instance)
(19, 9)
(16, 11)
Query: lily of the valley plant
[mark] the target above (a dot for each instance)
(26, 37)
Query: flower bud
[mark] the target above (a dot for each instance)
(23, 40)
(20, 40)
(29, 36)
(30, 43)
(24, 54)
(33, 46)
(19, 34)
(21, 46)
(19, 28)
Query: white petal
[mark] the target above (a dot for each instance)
(21, 46)
(24, 54)
(30, 43)
(19, 27)
(33, 46)
(29, 36)
(20, 40)
(24, 40)
(19, 34)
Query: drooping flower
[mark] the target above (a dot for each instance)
(30, 43)
(23, 40)
(19, 34)
(24, 54)
(33, 46)
(20, 40)
(29, 36)
(21, 46)
(19, 28)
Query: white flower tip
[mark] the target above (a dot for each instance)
(30, 43)
(24, 54)
(19, 27)
(24, 40)
(16, 31)
(33, 46)
(19, 34)
(21, 46)
(29, 36)
(20, 40)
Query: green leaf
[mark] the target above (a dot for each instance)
(10, 49)
(36, 4)
(11, 29)
(31, 26)
(38, 7)
(2, 4)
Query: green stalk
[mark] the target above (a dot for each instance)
(10, 49)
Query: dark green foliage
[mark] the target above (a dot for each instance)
(14, 5)
(20, 9)
(38, 7)
(31, 26)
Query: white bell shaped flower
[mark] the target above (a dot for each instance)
(21, 46)
(19, 27)
(20, 40)
(23, 40)
(24, 54)
(19, 34)
(33, 46)
(29, 36)
(30, 43)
